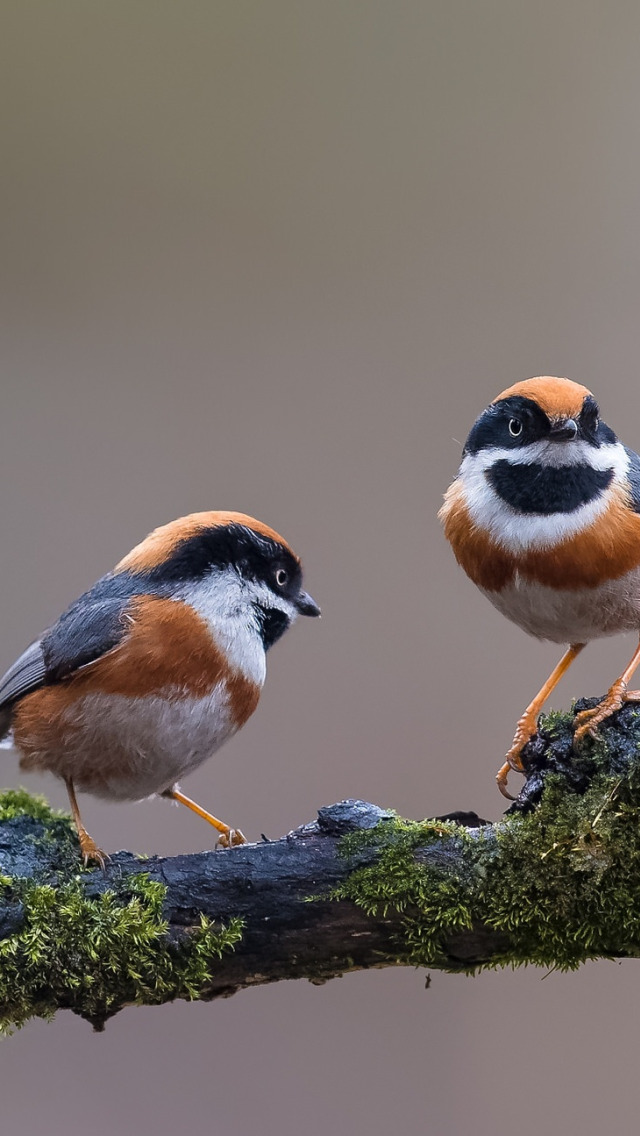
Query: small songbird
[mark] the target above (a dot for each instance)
(544, 516)
(157, 665)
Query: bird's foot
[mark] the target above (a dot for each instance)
(525, 730)
(587, 721)
(230, 838)
(90, 851)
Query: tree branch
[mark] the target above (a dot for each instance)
(555, 882)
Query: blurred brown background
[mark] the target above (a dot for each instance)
(276, 257)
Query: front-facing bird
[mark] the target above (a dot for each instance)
(544, 516)
(155, 667)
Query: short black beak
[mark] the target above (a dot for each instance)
(305, 605)
(563, 430)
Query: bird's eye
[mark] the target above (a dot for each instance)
(515, 427)
(281, 577)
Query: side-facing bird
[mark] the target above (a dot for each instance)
(149, 672)
(544, 516)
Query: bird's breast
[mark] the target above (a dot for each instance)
(143, 715)
(124, 747)
(169, 645)
(564, 615)
(564, 551)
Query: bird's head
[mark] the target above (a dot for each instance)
(229, 566)
(539, 463)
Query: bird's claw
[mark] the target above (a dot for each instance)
(587, 721)
(525, 730)
(501, 780)
(231, 838)
(90, 851)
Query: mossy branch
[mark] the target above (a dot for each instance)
(555, 882)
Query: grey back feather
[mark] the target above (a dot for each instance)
(633, 474)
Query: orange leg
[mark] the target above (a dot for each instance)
(587, 721)
(88, 846)
(528, 723)
(228, 836)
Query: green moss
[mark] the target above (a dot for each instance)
(565, 881)
(96, 955)
(562, 883)
(17, 802)
(52, 839)
(556, 721)
(92, 953)
(433, 900)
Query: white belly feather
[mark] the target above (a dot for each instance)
(565, 616)
(142, 746)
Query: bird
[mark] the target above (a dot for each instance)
(152, 669)
(544, 517)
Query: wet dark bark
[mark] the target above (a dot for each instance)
(269, 884)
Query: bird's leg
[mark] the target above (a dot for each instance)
(228, 836)
(528, 723)
(587, 721)
(88, 846)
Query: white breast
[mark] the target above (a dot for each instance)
(565, 616)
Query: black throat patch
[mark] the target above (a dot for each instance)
(547, 489)
(273, 624)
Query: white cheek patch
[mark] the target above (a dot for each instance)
(225, 601)
(220, 598)
(518, 531)
(556, 454)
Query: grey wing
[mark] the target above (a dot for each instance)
(83, 634)
(633, 473)
(27, 673)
